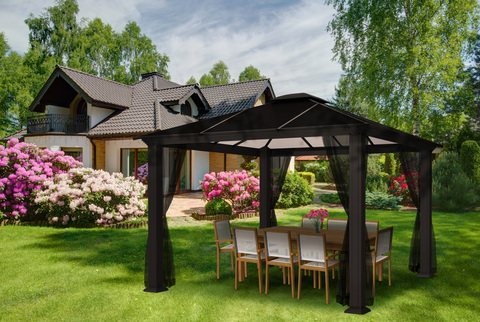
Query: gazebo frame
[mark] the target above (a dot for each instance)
(288, 126)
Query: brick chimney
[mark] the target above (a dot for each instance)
(146, 75)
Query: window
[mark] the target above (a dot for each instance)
(186, 109)
(76, 153)
(131, 160)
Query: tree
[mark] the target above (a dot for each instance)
(404, 55)
(250, 73)
(191, 80)
(218, 75)
(14, 90)
(56, 37)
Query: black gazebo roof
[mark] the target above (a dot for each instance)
(289, 125)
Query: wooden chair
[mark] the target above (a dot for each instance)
(223, 234)
(309, 223)
(312, 252)
(337, 224)
(278, 245)
(247, 250)
(382, 253)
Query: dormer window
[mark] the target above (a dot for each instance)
(186, 109)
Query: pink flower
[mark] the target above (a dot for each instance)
(107, 198)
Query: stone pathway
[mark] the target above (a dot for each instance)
(184, 204)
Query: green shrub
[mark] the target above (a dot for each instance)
(295, 192)
(248, 165)
(390, 164)
(319, 169)
(256, 173)
(310, 177)
(377, 182)
(330, 198)
(218, 207)
(379, 200)
(470, 160)
(453, 191)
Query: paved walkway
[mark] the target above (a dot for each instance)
(184, 204)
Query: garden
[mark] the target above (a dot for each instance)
(71, 273)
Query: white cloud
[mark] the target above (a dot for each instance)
(287, 42)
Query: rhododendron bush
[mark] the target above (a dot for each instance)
(23, 170)
(240, 189)
(88, 196)
(399, 187)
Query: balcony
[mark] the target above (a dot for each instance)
(60, 123)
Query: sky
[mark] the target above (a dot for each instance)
(285, 39)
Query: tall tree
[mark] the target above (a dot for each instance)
(14, 89)
(191, 80)
(57, 37)
(250, 73)
(403, 54)
(218, 75)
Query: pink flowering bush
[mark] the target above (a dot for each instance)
(89, 196)
(23, 170)
(399, 187)
(240, 189)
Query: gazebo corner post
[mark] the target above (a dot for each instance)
(265, 187)
(426, 230)
(356, 251)
(156, 207)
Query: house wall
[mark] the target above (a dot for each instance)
(97, 114)
(260, 101)
(99, 154)
(112, 152)
(52, 109)
(217, 162)
(57, 142)
(200, 166)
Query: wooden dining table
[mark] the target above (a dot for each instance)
(333, 237)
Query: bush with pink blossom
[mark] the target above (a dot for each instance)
(87, 196)
(23, 170)
(240, 189)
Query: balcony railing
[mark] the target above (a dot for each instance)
(62, 123)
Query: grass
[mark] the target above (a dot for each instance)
(97, 275)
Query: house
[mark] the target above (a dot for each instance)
(95, 119)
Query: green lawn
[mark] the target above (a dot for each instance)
(97, 274)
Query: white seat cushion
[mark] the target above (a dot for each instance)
(331, 262)
(284, 260)
(229, 246)
(253, 257)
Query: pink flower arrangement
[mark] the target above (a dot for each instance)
(24, 170)
(240, 188)
(317, 216)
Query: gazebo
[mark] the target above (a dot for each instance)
(293, 125)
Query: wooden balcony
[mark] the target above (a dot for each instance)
(58, 123)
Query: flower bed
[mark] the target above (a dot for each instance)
(243, 215)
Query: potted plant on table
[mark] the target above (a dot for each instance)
(317, 216)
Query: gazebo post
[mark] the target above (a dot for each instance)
(265, 187)
(155, 222)
(356, 251)
(425, 214)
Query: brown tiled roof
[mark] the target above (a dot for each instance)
(230, 98)
(100, 89)
(145, 115)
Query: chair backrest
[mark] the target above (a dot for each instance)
(245, 240)
(337, 224)
(311, 247)
(384, 241)
(309, 223)
(222, 229)
(372, 226)
(277, 244)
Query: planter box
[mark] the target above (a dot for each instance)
(220, 217)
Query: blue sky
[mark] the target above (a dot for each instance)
(286, 40)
